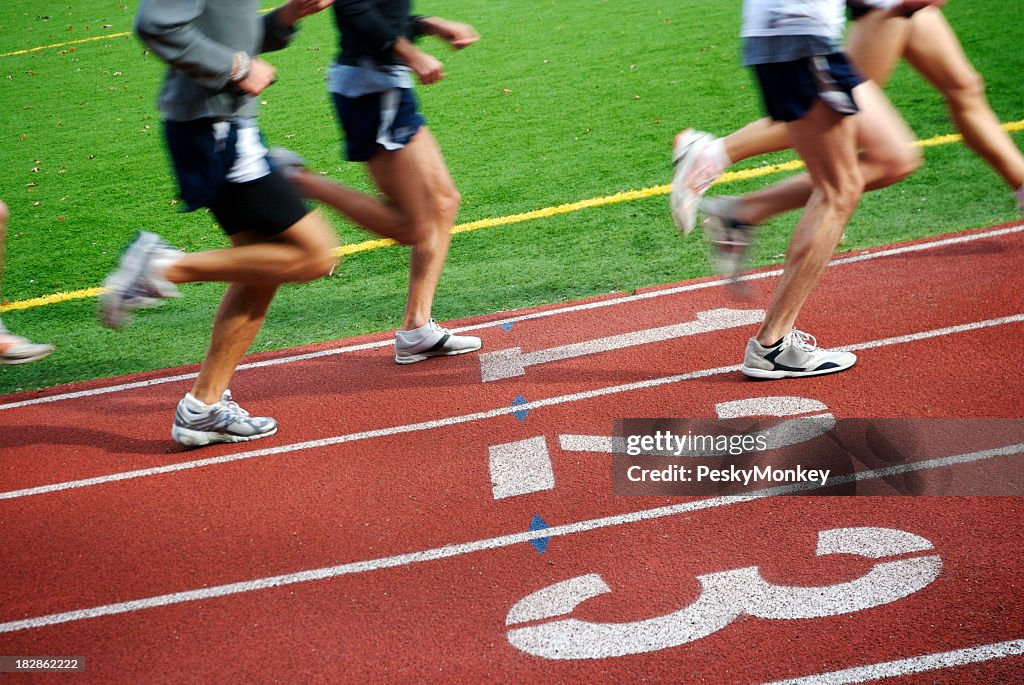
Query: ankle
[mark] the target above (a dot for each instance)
(164, 268)
(414, 324)
(200, 401)
(718, 155)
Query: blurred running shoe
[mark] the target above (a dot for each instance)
(15, 349)
(727, 237)
(694, 174)
(135, 284)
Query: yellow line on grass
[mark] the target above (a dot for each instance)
(625, 196)
(65, 44)
(54, 46)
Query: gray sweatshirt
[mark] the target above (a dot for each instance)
(198, 39)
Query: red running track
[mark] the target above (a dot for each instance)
(370, 539)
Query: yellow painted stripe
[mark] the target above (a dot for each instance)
(77, 42)
(65, 44)
(53, 298)
(625, 196)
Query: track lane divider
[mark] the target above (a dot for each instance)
(513, 409)
(625, 299)
(503, 541)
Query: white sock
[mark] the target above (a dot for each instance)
(2, 329)
(159, 266)
(716, 151)
(194, 405)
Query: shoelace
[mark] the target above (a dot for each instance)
(231, 407)
(802, 341)
(434, 326)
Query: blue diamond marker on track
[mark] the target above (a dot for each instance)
(507, 326)
(539, 524)
(520, 414)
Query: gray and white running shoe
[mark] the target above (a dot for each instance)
(431, 340)
(134, 284)
(196, 424)
(796, 355)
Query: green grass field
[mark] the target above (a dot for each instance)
(561, 101)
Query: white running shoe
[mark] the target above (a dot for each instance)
(693, 176)
(197, 424)
(15, 349)
(431, 340)
(728, 238)
(796, 355)
(135, 285)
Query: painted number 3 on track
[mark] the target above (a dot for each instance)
(724, 597)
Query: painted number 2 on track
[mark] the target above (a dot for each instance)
(724, 597)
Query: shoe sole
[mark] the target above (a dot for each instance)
(192, 438)
(412, 359)
(763, 374)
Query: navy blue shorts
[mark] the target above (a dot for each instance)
(223, 166)
(378, 121)
(790, 88)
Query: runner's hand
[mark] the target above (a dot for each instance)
(261, 74)
(294, 10)
(459, 35)
(429, 69)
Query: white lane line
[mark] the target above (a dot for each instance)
(460, 549)
(477, 416)
(626, 299)
(917, 664)
(512, 361)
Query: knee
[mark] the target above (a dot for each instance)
(444, 208)
(966, 88)
(310, 271)
(315, 265)
(900, 163)
(322, 266)
(434, 224)
(448, 204)
(316, 259)
(843, 195)
(4, 214)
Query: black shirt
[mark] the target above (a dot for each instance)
(369, 28)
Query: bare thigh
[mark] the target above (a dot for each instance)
(876, 42)
(827, 143)
(312, 234)
(883, 137)
(935, 52)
